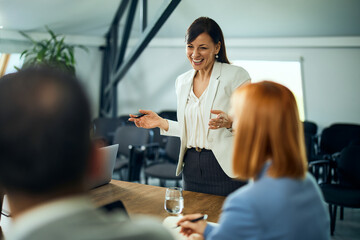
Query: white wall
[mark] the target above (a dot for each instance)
(331, 80)
(331, 77)
(88, 68)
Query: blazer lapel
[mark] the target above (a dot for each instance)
(213, 86)
(183, 95)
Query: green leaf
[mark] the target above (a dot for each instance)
(28, 37)
(24, 53)
(53, 51)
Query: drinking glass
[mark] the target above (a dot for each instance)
(174, 201)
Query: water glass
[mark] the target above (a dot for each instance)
(174, 201)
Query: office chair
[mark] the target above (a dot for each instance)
(169, 114)
(336, 137)
(310, 131)
(158, 144)
(164, 168)
(132, 142)
(333, 140)
(344, 191)
(104, 128)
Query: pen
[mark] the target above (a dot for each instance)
(139, 116)
(203, 217)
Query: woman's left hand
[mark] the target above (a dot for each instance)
(221, 120)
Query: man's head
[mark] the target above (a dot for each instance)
(44, 131)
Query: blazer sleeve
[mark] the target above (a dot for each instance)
(237, 221)
(173, 130)
(241, 77)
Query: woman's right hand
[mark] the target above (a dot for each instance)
(188, 228)
(150, 120)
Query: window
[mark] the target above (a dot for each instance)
(8, 62)
(287, 73)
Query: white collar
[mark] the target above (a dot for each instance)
(45, 213)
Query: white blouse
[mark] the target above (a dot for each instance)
(196, 127)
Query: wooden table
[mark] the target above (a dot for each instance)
(149, 200)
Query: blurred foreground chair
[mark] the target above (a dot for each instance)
(132, 142)
(343, 191)
(164, 168)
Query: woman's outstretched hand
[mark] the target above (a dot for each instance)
(150, 120)
(221, 120)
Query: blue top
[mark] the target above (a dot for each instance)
(273, 208)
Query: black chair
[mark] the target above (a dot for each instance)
(105, 128)
(165, 167)
(310, 135)
(168, 114)
(332, 141)
(336, 137)
(158, 141)
(132, 142)
(344, 191)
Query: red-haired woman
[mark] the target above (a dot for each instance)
(282, 201)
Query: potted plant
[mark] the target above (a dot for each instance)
(53, 51)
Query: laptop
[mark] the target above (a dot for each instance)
(107, 167)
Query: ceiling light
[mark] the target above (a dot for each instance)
(1, 27)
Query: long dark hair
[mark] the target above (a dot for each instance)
(209, 26)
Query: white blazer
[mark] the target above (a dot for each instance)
(225, 78)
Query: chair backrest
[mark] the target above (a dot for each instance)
(337, 137)
(310, 127)
(158, 138)
(172, 149)
(123, 119)
(171, 115)
(130, 135)
(105, 128)
(348, 165)
(310, 130)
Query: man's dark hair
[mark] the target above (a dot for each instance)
(44, 130)
(209, 26)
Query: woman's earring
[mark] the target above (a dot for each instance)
(216, 56)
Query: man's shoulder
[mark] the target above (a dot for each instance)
(96, 224)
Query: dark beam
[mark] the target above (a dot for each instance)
(119, 12)
(126, 34)
(105, 75)
(149, 33)
(143, 15)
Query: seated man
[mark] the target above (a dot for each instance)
(45, 158)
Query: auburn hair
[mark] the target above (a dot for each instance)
(267, 127)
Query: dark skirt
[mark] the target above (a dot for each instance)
(202, 173)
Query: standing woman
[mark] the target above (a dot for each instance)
(203, 100)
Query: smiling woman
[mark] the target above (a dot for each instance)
(204, 127)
